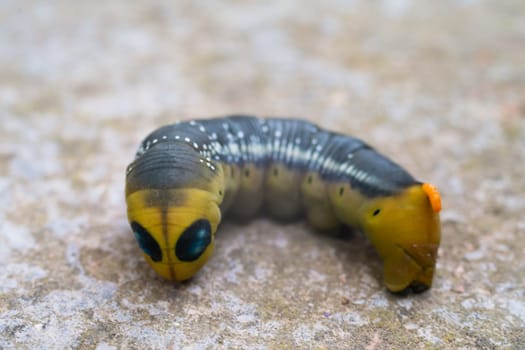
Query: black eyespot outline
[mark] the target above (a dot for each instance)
(193, 241)
(146, 242)
(376, 212)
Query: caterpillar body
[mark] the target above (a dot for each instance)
(186, 176)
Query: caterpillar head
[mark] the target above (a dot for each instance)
(173, 209)
(175, 229)
(405, 230)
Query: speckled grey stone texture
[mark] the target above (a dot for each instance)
(437, 86)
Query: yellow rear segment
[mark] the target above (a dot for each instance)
(405, 230)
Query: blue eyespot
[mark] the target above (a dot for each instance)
(146, 242)
(193, 241)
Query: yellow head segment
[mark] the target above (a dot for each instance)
(174, 228)
(405, 229)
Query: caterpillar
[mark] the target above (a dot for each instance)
(187, 176)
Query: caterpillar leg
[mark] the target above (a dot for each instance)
(244, 190)
(410, 269)
(319, 210)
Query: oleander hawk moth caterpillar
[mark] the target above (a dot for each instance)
(186, 176)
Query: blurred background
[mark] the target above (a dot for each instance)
(437, 86)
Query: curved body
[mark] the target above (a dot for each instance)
(186, 176)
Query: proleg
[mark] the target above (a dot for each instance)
(186, 176)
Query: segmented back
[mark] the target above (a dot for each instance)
(296, 144)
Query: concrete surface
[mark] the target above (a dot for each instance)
(438, 86)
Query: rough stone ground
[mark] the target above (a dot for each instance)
(439, 86)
